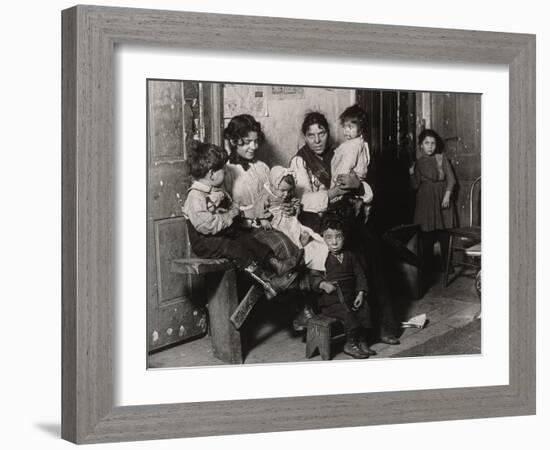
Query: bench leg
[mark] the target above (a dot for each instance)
(221, 291)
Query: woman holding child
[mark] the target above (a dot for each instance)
(320, 191)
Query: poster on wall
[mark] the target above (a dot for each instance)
(241, 99)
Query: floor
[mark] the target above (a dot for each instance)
(452, 328)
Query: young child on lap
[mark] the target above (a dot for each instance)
(282, 207)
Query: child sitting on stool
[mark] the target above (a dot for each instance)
(345, 288)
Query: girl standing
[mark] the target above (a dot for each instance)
(433, 179)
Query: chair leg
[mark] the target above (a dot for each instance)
(450, 252)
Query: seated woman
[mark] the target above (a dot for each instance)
(312, 166)
(245, 177)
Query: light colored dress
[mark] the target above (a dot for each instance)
(316, 250)
(312, 193)
(247, 186)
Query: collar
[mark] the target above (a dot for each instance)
(197, 185)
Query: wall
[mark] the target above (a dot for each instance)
(31, 211)
(457, 119)
(282, 115)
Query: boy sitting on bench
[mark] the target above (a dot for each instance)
(213, 231)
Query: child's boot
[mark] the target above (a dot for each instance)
(282, 266)
(301, 320)
(272, 284)
(352, 347)
(363, 344)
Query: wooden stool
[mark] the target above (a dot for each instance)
(321, 331)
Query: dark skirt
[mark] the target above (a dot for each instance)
(428, 212)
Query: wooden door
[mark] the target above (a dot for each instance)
(391, 134)
(457, 118)
(178, 113)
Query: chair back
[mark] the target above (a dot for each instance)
(471, 195)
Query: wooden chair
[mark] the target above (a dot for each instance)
(465, 241)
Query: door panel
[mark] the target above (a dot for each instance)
(176, 114)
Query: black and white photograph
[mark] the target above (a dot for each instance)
(311, 223)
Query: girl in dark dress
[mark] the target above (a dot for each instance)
(433, 179)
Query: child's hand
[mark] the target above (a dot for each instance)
(348, 181)
(266, 224)
(327, 287)
(358, 302)
(446, 200)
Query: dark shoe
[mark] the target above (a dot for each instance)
(259, 277)
(282, 266)
(300, 322)
(283, 282)
(389, 339)
(353, 349)
(365, 348)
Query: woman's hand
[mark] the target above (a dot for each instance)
(234, 211)
(446, 200)
(348, 181)
(335, 192)
(358, 302)
(266, 224)
(411, 169)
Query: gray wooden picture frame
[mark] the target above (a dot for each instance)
(89, 37)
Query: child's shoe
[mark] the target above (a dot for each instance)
(284, 282)
(257, 275)
(282, 266)
(301, 320)
(353, 348)
(366, 349)
(272, 284)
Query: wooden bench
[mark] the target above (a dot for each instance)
(226, 313)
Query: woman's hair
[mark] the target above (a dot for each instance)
(239, 127)
(206, 157)
(439, 143)
(357, 115)
(315, 118)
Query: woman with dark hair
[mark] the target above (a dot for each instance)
(245, 177)
(312, 166)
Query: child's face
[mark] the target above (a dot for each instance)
(247, 146)
(216, 177)
(285, 190)
(334, 240)
(428, 145)
(351, 130)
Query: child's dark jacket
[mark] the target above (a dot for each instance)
(348, 274)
